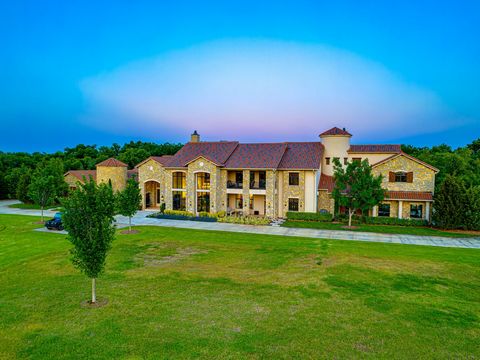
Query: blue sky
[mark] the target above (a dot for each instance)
(113, 71)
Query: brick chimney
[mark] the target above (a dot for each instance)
(195, 137)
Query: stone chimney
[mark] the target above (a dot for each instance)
(195, 137)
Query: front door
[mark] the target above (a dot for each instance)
(148, 201)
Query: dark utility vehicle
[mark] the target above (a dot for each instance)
(55, 223)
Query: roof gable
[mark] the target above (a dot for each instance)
(408, 157)
(216, 152)
(163, 160)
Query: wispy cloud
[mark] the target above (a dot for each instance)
(252, 90)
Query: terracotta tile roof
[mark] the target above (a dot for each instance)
(80, 174)
(407, 156)
(375, 149)
(112, 162)
(302, 155)
(162, 160)
(326, 183)
(409, 195)
(259, 156)
(335, 131)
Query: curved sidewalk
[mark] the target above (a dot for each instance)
(141, 219)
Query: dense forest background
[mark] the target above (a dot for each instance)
(17, 167)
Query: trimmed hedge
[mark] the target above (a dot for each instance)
(248, 220)
(183, 217)
(308, 216)
(393, 221)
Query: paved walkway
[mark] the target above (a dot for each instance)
(141, 219)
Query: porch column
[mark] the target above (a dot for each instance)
(427, 211)
(400, 209)
(375, 211)
(246, 192)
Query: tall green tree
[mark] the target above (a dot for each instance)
(42, 191)
(129, 200)
(88, 218)
(23, 185)
(356, 188)
(472, 214)
(450, 204)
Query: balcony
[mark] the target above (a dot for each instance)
(258, 185)
(234, 185)
(258, 180)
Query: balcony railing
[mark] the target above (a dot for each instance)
(234, 185)
(258, 185)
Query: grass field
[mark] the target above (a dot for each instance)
(384, 229)
(180, 293)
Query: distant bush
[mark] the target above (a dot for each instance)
(178, 212)
(308, 216)
(182, 217)
(247, 220)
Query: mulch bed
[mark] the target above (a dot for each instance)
(99, 303)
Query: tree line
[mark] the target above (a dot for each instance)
(19, 169)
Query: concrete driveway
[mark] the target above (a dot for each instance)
(141, 219)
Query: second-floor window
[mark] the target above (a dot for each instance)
(401, 176)
(293, 178)
(179, 180)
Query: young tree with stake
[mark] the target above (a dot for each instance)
(129, 200)
(356, 188)
(88, 218)
(42, 191)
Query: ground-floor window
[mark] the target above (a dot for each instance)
(292, 204)
(384, 210)
(179, 200)
(416, 211)
(203, 201)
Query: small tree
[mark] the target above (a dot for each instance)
(129, 200)
(42, 191)
(88, 218)
(472, 220)
(451, 203)
(356, 188)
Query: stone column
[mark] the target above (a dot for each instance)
(375, 211)
(427, 211)
(400, 209)
(246, 192)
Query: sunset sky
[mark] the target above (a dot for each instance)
(98, 72)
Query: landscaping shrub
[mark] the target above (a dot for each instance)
(308, 216)
(247, 220)
(393, 221)
(182, 217)
(178, 212)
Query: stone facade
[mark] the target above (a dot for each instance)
(423, 177)
(149, 172)
(293, 191)
(114, 174)
(72, 181)
(203, 165)
(326, 202)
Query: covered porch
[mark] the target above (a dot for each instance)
(151, 195)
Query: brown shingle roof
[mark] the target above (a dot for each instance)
(112, 162)
(335, 131)
(302, 155)
(132, 173)
(217, 152)
(81, 174)
(326, 182)
(409, 195)
(375, 149)
(259, 156)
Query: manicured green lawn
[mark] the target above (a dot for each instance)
(180, 293)
(384, 229)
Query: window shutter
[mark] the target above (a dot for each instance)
(391, 176)
(410, 177)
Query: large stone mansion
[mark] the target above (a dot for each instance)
(269, 178)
